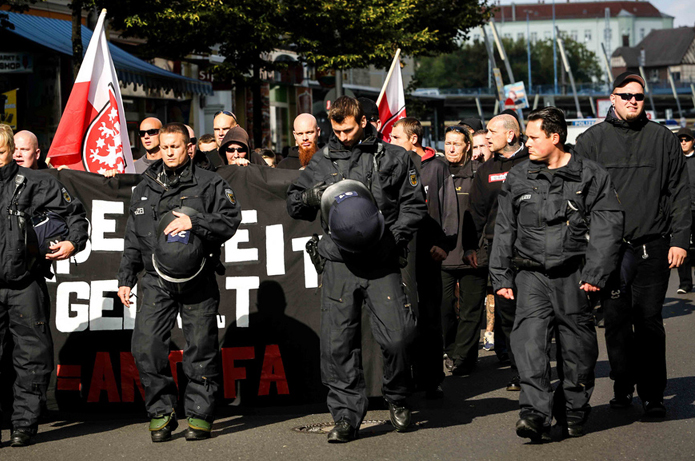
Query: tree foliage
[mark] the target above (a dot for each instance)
(356, 33)
(467, 67)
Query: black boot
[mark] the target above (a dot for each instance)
(161, 427)
(342, 432)
(400, 415)
(532, 426)
(21, 437)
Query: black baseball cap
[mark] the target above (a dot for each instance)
(472, 122)
(687, 132)
(369, 108)
(628, 76)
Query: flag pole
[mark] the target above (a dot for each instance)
(388, 76)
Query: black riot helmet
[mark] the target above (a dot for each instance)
(178, 258)
(354, 221)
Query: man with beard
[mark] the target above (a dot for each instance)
(306, 134)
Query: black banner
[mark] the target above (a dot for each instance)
(269, 351)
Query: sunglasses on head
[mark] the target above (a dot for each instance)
(240, 150)
(152, 132)
(227, 113)
(628, 96)
(458, 129)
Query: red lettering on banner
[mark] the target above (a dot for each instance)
(231, 373)
(103, 379)
(273, 371)
(498, 177)
(69, 378)
(130, 376)
(174, 358)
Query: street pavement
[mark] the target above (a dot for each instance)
(475, 420)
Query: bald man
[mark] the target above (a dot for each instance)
(306, 135)
(26, 150)
(223, 122)
(149, 136)
(503, 138)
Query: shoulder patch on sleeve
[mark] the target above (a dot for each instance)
(230, 195)
(66, 195)
(412, 176)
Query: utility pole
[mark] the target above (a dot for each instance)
(554, 51)
(568, 69)
(528, 49)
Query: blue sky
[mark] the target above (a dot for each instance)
(683, 11)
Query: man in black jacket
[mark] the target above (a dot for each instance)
(687, 141)
(368, 273)
(647, 167)
(24, 301)
(435, 239)
(180, 215)
(507, 151)
(559, 225)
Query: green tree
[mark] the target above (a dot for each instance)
(344, 34)
(467, 67)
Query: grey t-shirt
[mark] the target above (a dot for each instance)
(142, 164)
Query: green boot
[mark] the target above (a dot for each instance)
(161, 427)
(198, 429)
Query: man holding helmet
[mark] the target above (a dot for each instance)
(180, 215)
(367, 224)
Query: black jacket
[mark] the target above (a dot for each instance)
(22, 198)
(440, 227)
(389, 173)
(483, 198)
(647, 167)
(552, 218)
(291, 162)
(218, 218)
(463, 181)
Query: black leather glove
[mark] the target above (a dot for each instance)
(312, 197)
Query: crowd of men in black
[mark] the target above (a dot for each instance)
(543, 223)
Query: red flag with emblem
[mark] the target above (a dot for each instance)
(391, 101)
(92, 134)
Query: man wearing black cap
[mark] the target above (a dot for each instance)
(371, 111)
(362, 261)
(685, 137)
(180, 215)
(649, 173)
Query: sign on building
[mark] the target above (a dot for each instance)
(16, 63)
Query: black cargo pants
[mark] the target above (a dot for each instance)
(635, 337)
(547, 305)
(462, 335)
(393, 326)
(154, 321)
(24, 314)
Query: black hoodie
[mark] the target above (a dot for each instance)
(647, 167)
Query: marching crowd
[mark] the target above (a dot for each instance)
(519, 234)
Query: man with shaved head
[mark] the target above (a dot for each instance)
(26, 150)
(222, 122)
(149, 136)
(306, 134)
(503, 137)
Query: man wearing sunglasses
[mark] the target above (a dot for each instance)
(685, 272)
(149, 136)
(648, 169)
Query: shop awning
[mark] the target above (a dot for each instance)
(56, 34)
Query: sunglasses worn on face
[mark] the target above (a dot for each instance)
(233, 150)
(686, 139)
(628, 96)
(152, 132)
(227, 113)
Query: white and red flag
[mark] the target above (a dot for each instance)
(391, 102)
(92, 134)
